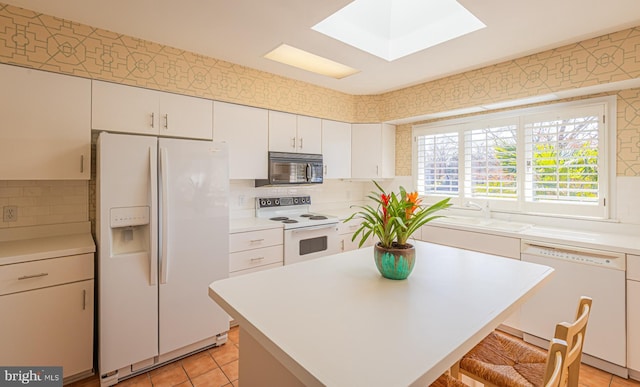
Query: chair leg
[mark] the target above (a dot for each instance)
(455, 370)
(573, 374)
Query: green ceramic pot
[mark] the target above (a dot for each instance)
(395, 263)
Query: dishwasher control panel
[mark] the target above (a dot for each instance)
(608, 259)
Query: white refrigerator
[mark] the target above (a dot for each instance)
(162, 229)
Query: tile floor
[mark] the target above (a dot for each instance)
(214, 367)
(219, 367)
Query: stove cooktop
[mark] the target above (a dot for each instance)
(292, 211)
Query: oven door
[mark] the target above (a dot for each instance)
(301, 244)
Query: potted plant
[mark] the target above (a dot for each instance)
(393, 221)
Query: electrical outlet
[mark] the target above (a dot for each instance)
(10, 213)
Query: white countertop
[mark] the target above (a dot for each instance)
(46, 247)
(335, 321)
(251, 224)
(608, 241)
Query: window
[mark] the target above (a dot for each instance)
(550, 160)
(490, 161)
(438, 161)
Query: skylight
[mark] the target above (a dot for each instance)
(392, 29)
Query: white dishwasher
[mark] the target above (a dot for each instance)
(579, 271)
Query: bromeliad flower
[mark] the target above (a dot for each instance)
(415, 202)
(396, 217)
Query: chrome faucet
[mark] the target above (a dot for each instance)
(486, 211)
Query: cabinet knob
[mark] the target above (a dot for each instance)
(153, 119)
(166, 121)
(293, 142)
(301, 143)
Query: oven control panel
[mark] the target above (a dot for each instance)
(283, 201)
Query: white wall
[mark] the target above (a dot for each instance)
(627, 203)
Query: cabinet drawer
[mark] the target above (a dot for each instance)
(350, 227)
(254, 269)
(31, 275)
(255, 239)
(257, 257)
(633, 267)
(475, 241)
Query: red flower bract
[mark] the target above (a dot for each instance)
(397, 216)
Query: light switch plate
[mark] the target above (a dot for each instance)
(10, 213)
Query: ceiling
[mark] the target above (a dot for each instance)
(242, 31)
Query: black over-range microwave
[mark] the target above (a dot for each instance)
(293, 168)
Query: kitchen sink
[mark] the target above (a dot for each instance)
(493, 224)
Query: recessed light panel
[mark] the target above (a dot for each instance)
(307, 61)
(391, 29)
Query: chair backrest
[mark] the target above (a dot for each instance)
(573, 337)
(555, 363)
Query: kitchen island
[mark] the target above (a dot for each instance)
(335, 321)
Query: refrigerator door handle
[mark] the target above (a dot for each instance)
(153, 262)
(164, 257)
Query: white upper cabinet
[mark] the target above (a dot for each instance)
(130, 109)
(309, 135)
(373, 151)
(45, 125)
(184, 116)
(336, 149)
(245, 130)
(293, 133)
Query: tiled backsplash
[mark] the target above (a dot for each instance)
(331, 194)
(42, 202)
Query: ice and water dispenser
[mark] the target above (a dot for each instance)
(129, 230)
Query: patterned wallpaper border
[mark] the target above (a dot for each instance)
(44, 42)
(36, 40)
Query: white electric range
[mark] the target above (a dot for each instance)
(307, 235)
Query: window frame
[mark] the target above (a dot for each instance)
(605, 207)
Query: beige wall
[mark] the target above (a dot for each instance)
(40, 41)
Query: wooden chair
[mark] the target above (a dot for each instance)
(504, 361)
(555, 362)
(447, 380)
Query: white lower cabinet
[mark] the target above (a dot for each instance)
(47, 314)
(345, 233)
(503, 246)
(255, 250)
(484, 243)
(633, 313)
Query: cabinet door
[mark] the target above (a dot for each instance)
(245, 130)
(366, 149)
(282, 132)
(126, 109)
(336, 149)
(184, 116)
(633, 325)
(388, 155)
(45, 125)
(49, 327)
(309, 135)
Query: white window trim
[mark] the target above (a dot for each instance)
(456, 124)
